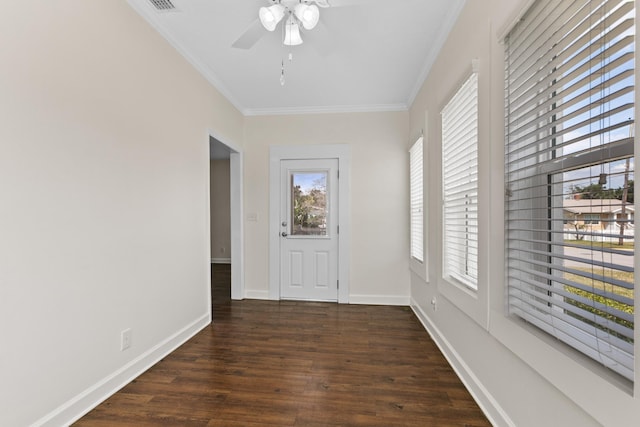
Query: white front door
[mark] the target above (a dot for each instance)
(309, 229)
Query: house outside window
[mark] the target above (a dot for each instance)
(591, 218)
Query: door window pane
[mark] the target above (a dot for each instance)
(309, 203)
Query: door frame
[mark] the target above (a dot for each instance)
(237, 231)
(342, 152)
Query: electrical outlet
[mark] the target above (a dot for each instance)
(125, 339)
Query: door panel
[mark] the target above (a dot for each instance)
(295, 269)
(309, 229)
(322, 269)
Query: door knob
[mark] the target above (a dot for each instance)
(284, 234)
(284, 223)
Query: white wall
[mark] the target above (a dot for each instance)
(518, 376)
(220, 210)
(379, 196)
(104, 206)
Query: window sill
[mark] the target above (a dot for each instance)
(561, 365)
(470, 302)
(463, 285)
(419, 268)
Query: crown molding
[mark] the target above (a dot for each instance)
(443, 32)
(334, 109)
(151, 17)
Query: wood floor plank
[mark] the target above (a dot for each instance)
(286, 363)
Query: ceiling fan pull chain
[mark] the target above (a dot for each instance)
(282, 74)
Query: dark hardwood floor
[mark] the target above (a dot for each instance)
(265, 363)
(220, 290)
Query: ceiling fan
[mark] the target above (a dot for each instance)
(294, 13)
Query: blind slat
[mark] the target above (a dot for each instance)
(616, 361)
(543, 292)
(570, 303)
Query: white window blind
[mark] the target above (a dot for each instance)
(416, 196)
(569, 175)
(460, 184)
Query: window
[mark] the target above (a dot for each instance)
(592, 218)
(569, 154)
(460, 185)
(309, 209)
(416, 196)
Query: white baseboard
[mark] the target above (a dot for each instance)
(220, 260)
(379, 300)
(249, 294)
(487, 403)
(353, 299)
(84, 402)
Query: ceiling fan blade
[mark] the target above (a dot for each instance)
(344, 3)
(250, 36)
(322, 3)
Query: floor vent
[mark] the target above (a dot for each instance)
(163, 5)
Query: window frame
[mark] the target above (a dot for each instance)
(464, 272)
(549, 164)
(416, 265)
(468, 302)
(599, 393)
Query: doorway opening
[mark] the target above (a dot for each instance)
(225, 208)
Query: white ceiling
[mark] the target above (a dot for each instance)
(365, 55)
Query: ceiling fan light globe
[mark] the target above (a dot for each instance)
(292, 33)
(270, 16)
(308, 15)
